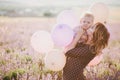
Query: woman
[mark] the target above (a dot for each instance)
(82, 54)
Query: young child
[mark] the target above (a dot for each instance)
(82, 32)
(86, 23)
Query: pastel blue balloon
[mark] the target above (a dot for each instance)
(62, 35)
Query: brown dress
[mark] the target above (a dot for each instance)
(77, 59)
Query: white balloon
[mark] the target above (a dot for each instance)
(42, 42)
(68, 17)
(100, 12)
(55, 60)
(113, 35)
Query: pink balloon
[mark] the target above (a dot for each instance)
(68, 17)
(100, 12)
(42, 42)
(62, 35)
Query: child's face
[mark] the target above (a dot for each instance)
(86, 22)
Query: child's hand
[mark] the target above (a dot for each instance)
(79, 31)
(76, 29)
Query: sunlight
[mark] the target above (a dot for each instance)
(61, 2)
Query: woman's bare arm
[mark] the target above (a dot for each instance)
(75, 40)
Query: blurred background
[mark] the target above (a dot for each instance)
(48, 8)
(19, 19)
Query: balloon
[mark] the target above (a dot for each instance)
(100, 12)
(55, 60)
(113, 37)
(41, 41)
(96, 60)
(62, 35)
(68, 17)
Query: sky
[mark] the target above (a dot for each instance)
(60, 2)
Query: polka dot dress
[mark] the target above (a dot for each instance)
(77, 59)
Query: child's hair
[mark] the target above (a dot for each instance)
(100, 37)
(87, 14)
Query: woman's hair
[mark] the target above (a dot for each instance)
(100, 37)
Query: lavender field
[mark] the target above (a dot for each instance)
(18, 60)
